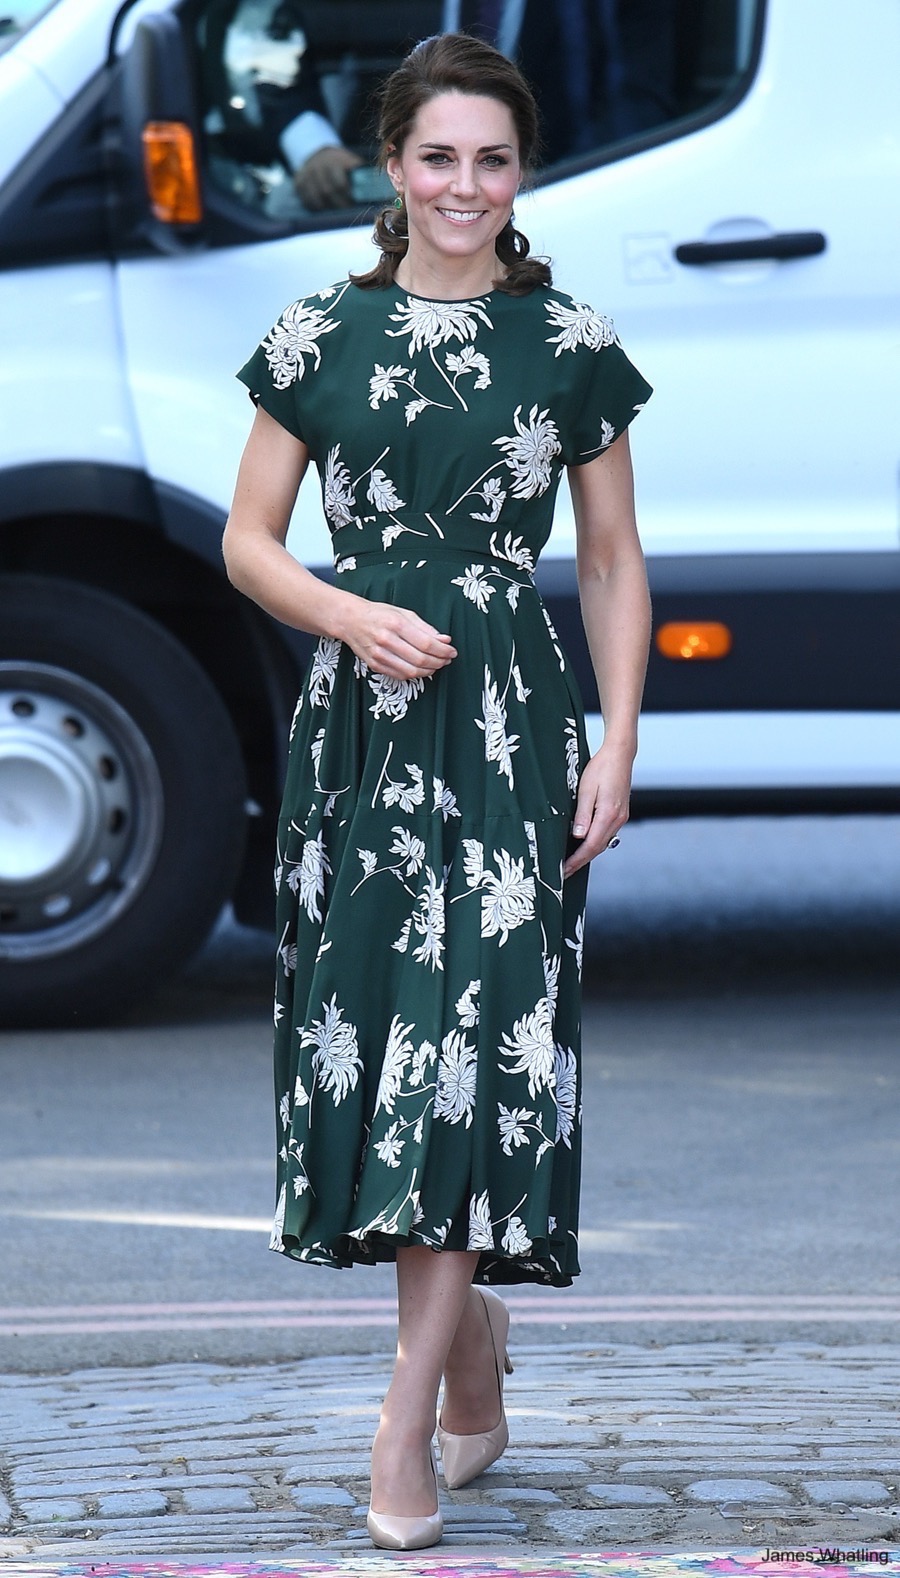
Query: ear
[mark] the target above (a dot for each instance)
(394, 173)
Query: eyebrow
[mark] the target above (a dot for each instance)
(447, 147)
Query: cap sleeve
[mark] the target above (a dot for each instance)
(607, 393)
(279, 371)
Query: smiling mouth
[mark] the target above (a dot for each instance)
(460, 216)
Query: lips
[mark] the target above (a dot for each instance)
(458, 216)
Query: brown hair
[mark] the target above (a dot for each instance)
(455, 63)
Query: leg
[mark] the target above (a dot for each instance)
(471, 1399)
(432, 1292)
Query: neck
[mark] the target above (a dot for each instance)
(435, 279)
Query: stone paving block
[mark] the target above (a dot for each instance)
(136, 1503)
(855, 1492)
(628, 1495)
(313, 1496)
(40, 1509)
(736, 1490)
(218, 1499)
(522, 1493)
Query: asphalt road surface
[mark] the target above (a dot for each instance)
(742, 1122)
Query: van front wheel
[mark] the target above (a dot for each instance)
(122, 803)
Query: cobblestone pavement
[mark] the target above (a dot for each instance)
(690, 1446)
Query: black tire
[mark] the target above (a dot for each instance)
(122, 803)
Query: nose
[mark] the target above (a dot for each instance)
(465, 179)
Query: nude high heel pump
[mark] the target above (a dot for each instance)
(407, 1534)
(465, 1457)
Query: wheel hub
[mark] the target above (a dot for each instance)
(80, 809)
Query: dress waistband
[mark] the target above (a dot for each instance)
(422, 553)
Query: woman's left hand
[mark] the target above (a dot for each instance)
(602, 807)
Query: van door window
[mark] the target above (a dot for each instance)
(287, 88)
(287, 85)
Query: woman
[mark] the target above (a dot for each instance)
(441, 807)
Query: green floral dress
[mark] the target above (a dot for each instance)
(429, 953)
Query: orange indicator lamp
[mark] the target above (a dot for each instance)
(171, 172)
(688, 639)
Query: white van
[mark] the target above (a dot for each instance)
(722, 179)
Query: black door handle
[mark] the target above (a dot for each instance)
(788, 244)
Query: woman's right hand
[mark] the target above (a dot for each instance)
(395, 641)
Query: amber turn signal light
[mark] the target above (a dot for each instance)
(171, 172)
(693, 639)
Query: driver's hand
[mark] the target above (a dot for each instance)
(323, 181)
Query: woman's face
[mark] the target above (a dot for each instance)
(458, 173)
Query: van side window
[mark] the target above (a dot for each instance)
(286, 85)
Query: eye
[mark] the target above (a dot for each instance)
(436, 158)
(496, 161)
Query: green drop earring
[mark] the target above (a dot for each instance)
(398, 202)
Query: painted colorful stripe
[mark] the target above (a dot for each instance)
(831, 1562)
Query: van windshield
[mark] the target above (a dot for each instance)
(16, 16)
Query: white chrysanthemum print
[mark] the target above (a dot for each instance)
(522, 690)
(475, 587)
(456, 1076)
(481, 1230)
(531, 1043)
(494, 495)
(338, 500)
(425, 1056)
(467, 1011)
(428, 921)
(473, 861)
(410, 848)
(498, 745)
(397, 1053)
(369, 860)
(336, 1062)
(323, 670)
(565, 1093)
(276, 1241)
(572, 766)
(433, 323)
(407, 796)
(284, 1110)
(511, 1123)
(552, 964)
(389, 1149)
(470, 361)
(300, 1178)
(515, 1239)
(530, 452)
(513, 549)
(382, 493)
(308, 875)
(295, 336)
(576, 943)
(507, 899)
(578, 325)
(444, 799)
(393, 696)
(383, 383)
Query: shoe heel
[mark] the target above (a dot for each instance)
(508, 1365)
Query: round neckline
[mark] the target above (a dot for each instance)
(447, 301)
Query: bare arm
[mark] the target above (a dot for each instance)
(615, 608)
(389, 639)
